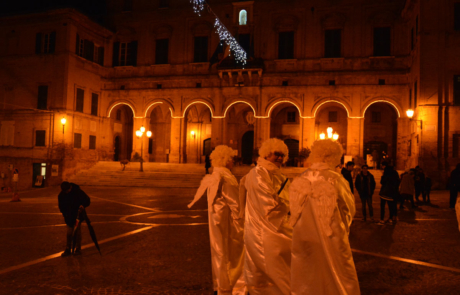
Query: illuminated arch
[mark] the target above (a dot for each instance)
(202, 102)
(117, 103)
(235, 102)
(319, 104)
(156, 102)
(393, 103)
(272, 105)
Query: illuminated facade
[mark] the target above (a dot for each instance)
(356, 66)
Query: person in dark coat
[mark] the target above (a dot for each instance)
(71, 199)
(419, 181)
(365, 185)
(427, 188)
(389, 192)
(346, 172)
(454, 185)
(207, 163)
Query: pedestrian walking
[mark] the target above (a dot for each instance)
(71, 199)
(454, 185)
(365, 185)
(322, 209)
(225, 223)
(207, 163)
(388, 193)
(419, 181)
(346, 172)
(407, 188)
(267, 232)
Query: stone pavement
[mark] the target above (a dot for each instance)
(152, 244)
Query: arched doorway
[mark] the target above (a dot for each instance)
(198, 127)
(285, 125)
(160, 142)
(380, 132)
(239, 130)
(247, 147)
(121, 121)
(335, 116)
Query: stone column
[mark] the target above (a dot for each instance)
(355, 137)
(261, 131)
(402, 143)
(175, 150)
(217, 131)
(307, 135)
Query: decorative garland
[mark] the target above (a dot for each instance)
(224, 34)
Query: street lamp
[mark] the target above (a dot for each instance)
(63, 121)
(193, 134)
(330, 134)
(410, 113)
(140, 134)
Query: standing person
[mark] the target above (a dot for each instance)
(407, 188)
(207, 163)
(346, 172)
(322, 209)
(454, 185)
(419, 181)
(365, 185)
(225, 225)
(267, 233)
(375, 159)
(427, 188)
(388, 192)
(72, 199)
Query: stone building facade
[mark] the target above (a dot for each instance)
(354, 65)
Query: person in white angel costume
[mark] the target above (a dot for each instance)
(225, 225)
(267, 233)
(322, 209)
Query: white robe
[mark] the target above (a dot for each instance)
(267, 233)
(322, 209)
(225, 230)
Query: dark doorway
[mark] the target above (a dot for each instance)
(293, 147)
(38, 174)
(116, 148)
(207, 147)
(247, 146)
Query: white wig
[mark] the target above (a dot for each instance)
(273, 145)
(221, 155)
(326, 151)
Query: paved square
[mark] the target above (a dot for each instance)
(152, 244)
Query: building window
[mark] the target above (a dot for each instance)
(455, 145)
(376, 117)
(200, 53)
(124, 54)
(332, 117)
(45, 42)
(164, 4)
(331, 82)
(291, 118)
(245, 42)
(94, 104)
(42, 99)
(118, 115)
(410, 148)
(410, 98)
(80, 100)
(243, 17)
(415, 94)
(457, 16)
(381, 81)
(77, 140)
(382, 41)
(286, 45)
(92, 142)
(40, 137)
(332, 43)
(457, 90)
(89, 51)
(161, 51)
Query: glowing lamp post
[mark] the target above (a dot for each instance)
(140, 134)
(63, 121)
(410, 113)
(330, 134)
(192, 134)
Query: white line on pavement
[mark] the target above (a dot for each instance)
(408, 260)
(136, 206)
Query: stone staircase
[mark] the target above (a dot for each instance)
(107, 173)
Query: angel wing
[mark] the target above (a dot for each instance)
(299, 190)
(209, 181)
(324, 201)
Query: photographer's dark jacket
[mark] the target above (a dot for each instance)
(70, 202)
(365, 184)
